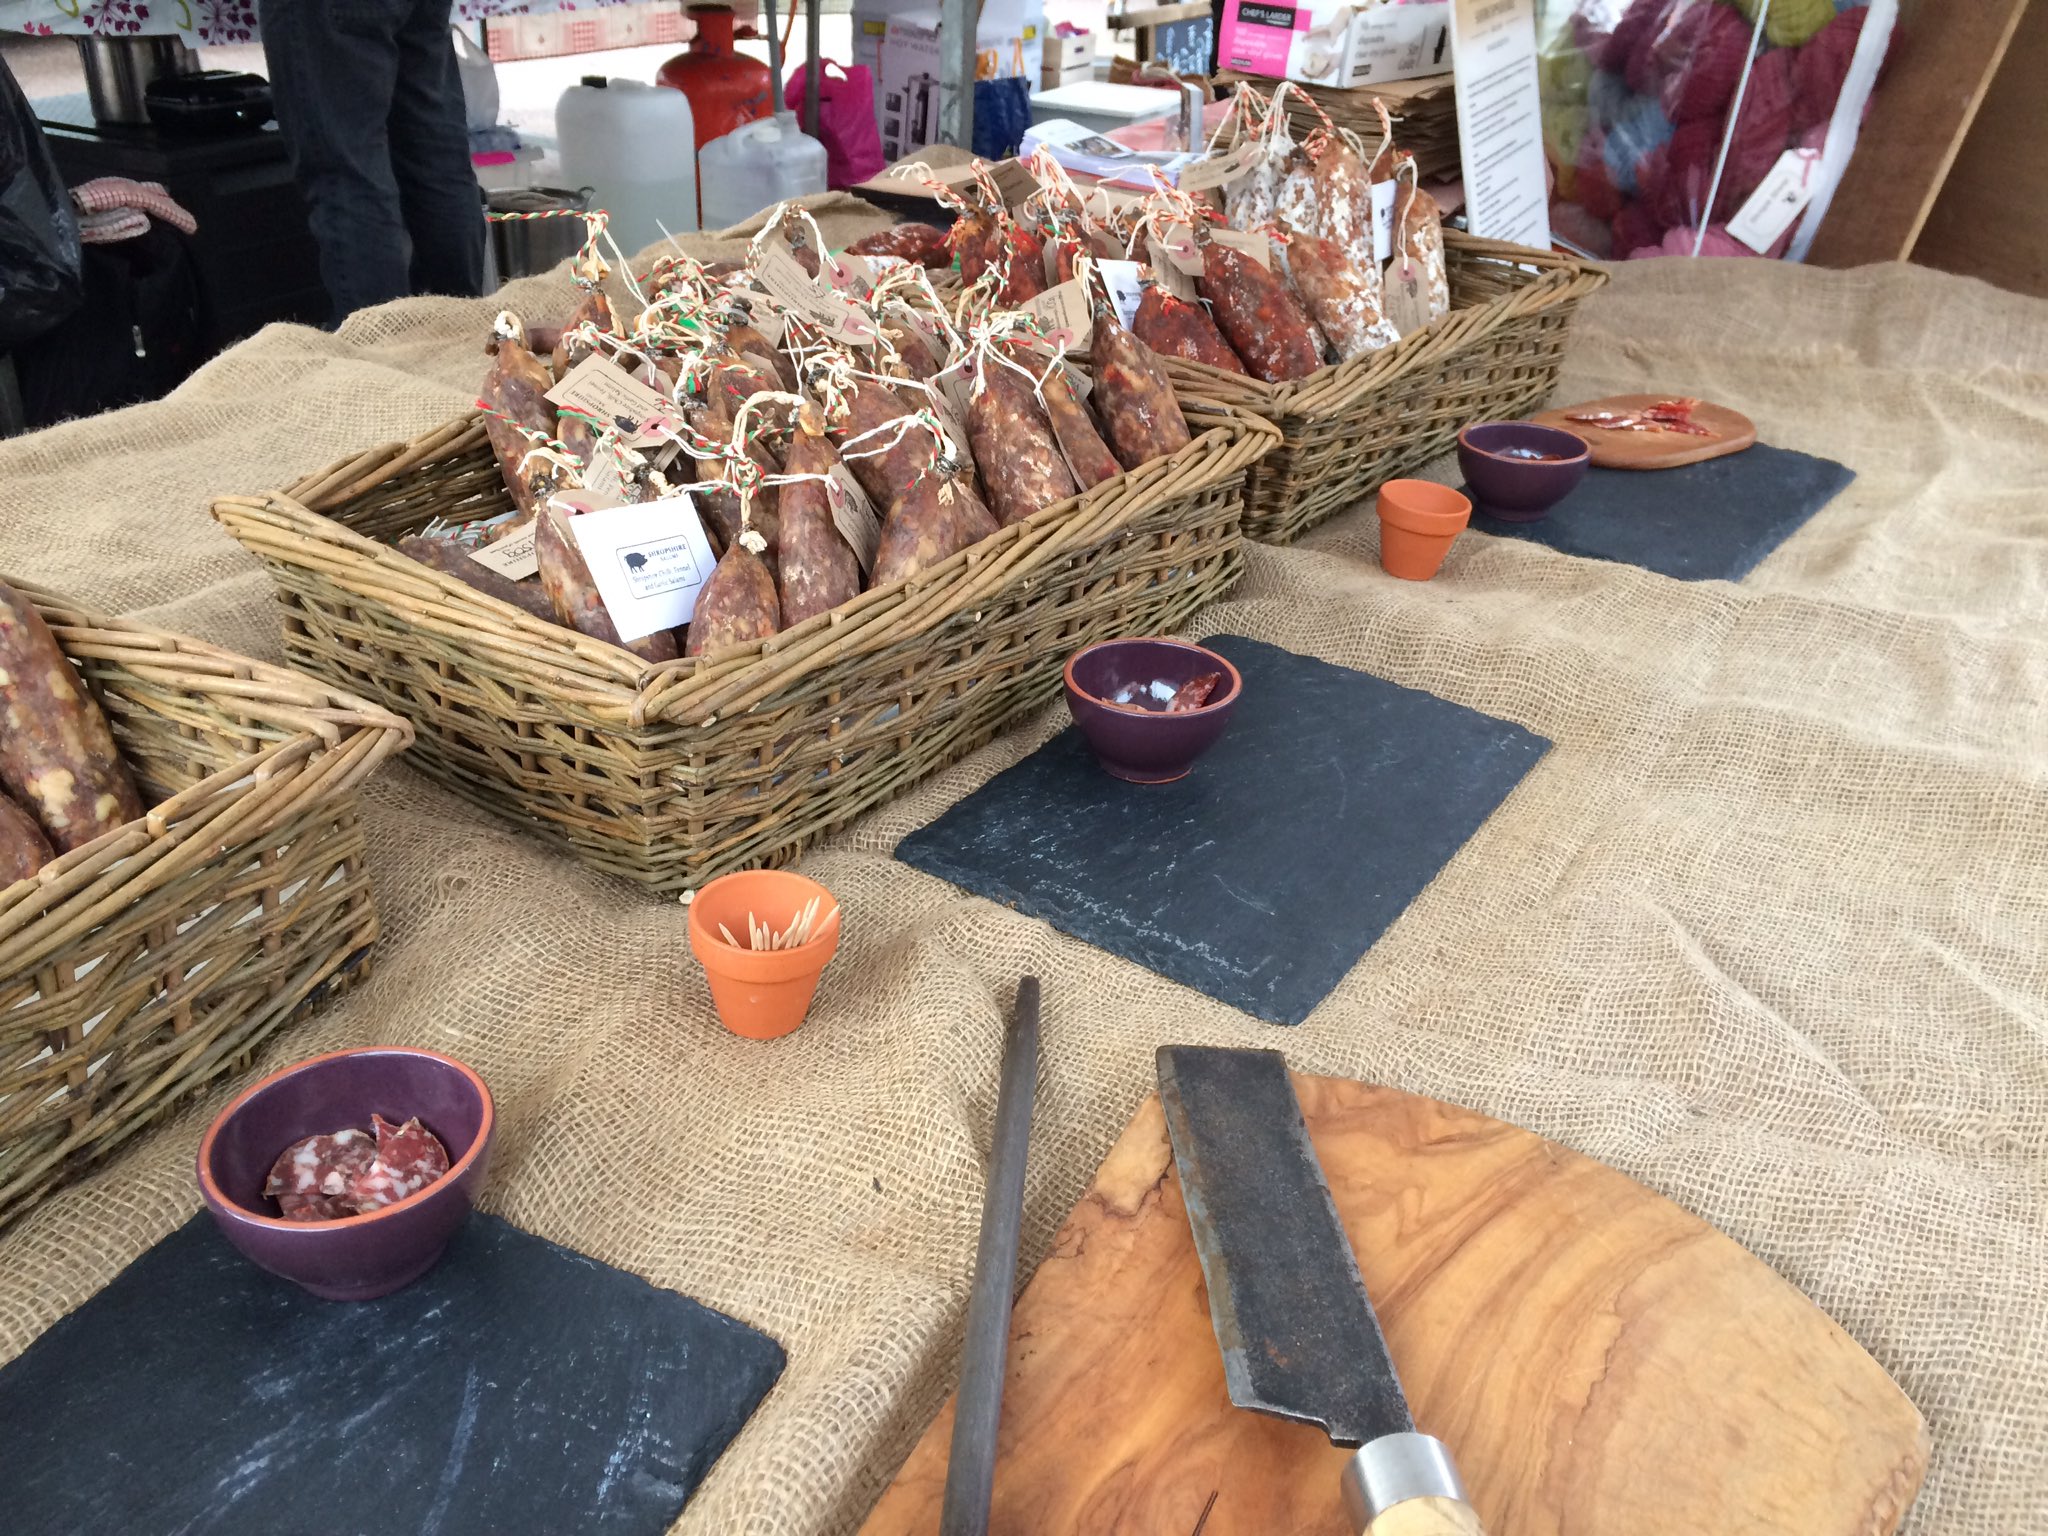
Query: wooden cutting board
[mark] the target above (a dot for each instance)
(1600, 1362)
(1732, 431)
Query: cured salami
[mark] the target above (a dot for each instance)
(516, 386)
(450, 559)
(1014, 444)
(921, 243)
(819, 570)
(1343, 298)
(1173, 327)
(23, 848)
(1133, 395)
(351, 1172)
(57, 756)
(1259, 315)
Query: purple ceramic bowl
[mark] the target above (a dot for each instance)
(1137, 744)
(1514, 489)
(355, 1257)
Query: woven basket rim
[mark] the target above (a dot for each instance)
(613, 684)
(332, 735)
(1561, 278)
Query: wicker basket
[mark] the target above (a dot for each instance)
(674, 774)
(1348, 428)
(152, 960)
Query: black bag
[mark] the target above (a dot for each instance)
(39, 249)
(137, 336)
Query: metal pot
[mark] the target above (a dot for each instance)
(118, 71)
(526, 246)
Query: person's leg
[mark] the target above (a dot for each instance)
(430, 154)
(333, 71)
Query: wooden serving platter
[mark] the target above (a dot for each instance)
(1600, 1362)
(1732, 431)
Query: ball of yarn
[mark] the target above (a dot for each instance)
(1564, 130)
(1645, 65)
(1820, 68)
(1792, 22)
(1563, 73)
(1678, 242)
(1702, 82)
(1763, 130)
(1607, 96)
(1681, 195)
(1640, 21)
(1594, 187)
(1639, 129)
(1635, 227)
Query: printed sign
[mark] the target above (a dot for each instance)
(1062, 314)
(832, 312)
(649, 562)
(1500, 121)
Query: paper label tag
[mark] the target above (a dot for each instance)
(1014, 180)
(604, 482)
(1218, 170)
(597, 388)
(1062, 314)
(1406, 298)
(1167, 273)
(1176, 241)
(1256, 246)
(833, 312)
(649, 562)
(1779, 199)
(1383, 193)
(1124, 280)
(851, 273)
(854, 515)
(948, 392)
(926, 325)
(1102, 200)
(512, 556)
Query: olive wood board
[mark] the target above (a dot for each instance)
(1600, 1362)
(1732, 431)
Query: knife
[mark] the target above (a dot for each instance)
(1296, 1327)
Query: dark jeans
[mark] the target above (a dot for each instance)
(370, 101)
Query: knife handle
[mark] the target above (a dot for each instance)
(1407, 1485)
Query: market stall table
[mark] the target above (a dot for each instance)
(1763, 929)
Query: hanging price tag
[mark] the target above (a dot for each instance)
(1062, 314)
(600, 389)
(851, 273)
(1383, 219)
(1218, 170)
(854, 515)
(1168, 273)
(1778, 199)
(512, 555)
(1406, 301)
(1176, 243)
(832, 312)
(1256, 246)
(1122, 279)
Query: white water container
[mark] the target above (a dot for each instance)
(632, 144)
(756, 166)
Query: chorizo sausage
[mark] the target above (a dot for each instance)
(737, 605)
(1261, 319)
(758, 353)
(447, 557)
(975, 242)
(1014, 445)
(1294, 203)
(818, 570)
(1133, 396)
(924, 244)
(566, 579)
(1343, 206)
(517, 384)
(23, 848)
(933, 520)
(1088, 456)
(57, 755)
(912, 350)
(1023, 265)
(884, 473)
(1172, 327)
(592, 309)
(1344, 300)
(1419, 238)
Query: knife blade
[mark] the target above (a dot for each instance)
(1297, 1330)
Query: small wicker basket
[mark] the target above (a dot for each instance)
(674, 774)
(1348, 428)
(136, 969)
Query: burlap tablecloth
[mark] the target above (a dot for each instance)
(1767, 930)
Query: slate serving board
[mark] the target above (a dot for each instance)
(1262, 877)
(1713, 521)
(517, 1387)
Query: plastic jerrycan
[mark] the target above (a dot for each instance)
(725, 89)
(756, 166)
(633, 145)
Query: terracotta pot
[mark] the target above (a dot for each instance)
(1418, 521)
(762, 994)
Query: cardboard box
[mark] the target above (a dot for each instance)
(1068, 53)
(1328, 43)
(1052, 78)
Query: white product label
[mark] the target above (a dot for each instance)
(649, 562)
(1500, 123)
(1383, 194)
(512, 555)
(1121, 278)
(1779, 199)
(1218, 170)
(854, 515)
(1398, 42)
(600, 389)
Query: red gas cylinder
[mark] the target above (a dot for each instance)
(725, 88)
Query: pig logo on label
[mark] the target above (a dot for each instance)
(659, 566)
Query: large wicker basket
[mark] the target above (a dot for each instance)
(1348, 428)
(672, 775)
(139, 967)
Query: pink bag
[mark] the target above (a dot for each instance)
(846, 121)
